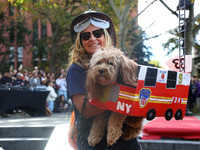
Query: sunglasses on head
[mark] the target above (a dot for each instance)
(97, 34)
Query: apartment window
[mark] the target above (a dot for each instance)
(35, 30)
(12, 33)
(44, 29)
(20, 54)
(35, 53)
(44, 56)
(12, 54)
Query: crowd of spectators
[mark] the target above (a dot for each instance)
(26, 78)
(194, 94)
(36, 77)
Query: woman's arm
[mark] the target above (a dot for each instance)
(89, 110)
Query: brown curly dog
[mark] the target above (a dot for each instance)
(105, 68)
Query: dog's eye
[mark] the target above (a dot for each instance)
(98, 63)
(110, 63)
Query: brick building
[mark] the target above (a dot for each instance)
(24, 54)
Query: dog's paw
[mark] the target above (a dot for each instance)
(112, 137)
(92, 141)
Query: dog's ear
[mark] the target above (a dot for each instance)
(92, 87)
(128, 71)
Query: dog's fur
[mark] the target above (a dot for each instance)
(105, 67)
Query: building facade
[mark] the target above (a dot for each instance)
(22, 55)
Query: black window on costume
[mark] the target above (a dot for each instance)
(151, 76)
(171, 79)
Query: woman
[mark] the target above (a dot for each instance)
(192, 93)
(90, 32)
(61, 104)
(34, 80)
(26, 78)
(62, 84)
(51, 96)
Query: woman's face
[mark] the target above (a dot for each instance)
(93, 44)
(63, 98)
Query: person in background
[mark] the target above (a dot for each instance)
(197, 100)
(26, 77)
(90, 31)
(0, 75)
(36, 69)
(61, 85)
(12, 76)
(52, 76)
(51, 96)
(15, 71)
(62, 71)
(34, 80)
(61, 104)
(43, 77)
(6, 79)
(19, 80)
(192, 94)
(48, 75)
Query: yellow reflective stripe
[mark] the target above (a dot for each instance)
(124, 92)
(161, 97)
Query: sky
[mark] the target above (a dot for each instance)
(163, 20)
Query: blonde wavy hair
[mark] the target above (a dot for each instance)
(80, 56)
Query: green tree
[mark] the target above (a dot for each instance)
(59, 15)
(3, 41)
(17, 29)
(140, 53)
(131, 37)
(127, 21)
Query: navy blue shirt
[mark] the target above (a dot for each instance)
(76, 79)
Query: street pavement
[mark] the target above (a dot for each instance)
(58, 138)
(28, 121)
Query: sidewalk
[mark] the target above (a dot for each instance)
(27, 121)
(32, 133)
(60, 122)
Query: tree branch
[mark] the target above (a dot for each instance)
(196, 30)
(173, 12)
(140, 41)
(141, 12)
(115, 9)
(120, 7)
(197, 17)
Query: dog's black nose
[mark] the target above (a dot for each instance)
(101, 71)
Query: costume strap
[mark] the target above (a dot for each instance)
(79, 134)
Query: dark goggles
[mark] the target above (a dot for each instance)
(97, 34)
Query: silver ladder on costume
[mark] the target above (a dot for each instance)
(182, 35)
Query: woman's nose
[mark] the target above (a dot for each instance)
(92, 37)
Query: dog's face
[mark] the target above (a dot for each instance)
(105, 67)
